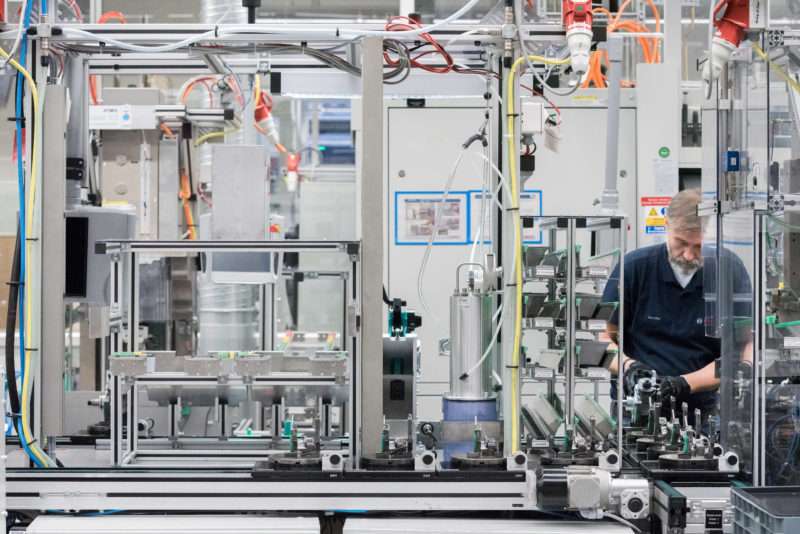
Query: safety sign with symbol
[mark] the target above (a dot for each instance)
(655, 214)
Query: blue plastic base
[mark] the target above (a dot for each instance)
(465, 410)
(468, 410)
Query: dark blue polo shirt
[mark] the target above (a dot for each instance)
(664, 322)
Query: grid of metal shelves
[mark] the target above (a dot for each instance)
(563, 315)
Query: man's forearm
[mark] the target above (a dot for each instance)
(703, 379)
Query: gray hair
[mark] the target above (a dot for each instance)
(682, 211)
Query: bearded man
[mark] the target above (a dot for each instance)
(664, 312)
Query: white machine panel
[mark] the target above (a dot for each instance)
(422, 146)
(474, 526)
(572, 180)
(174, 524)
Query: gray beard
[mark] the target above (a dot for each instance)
(687, 266)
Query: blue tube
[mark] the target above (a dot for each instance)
(44, 7)
(25, 445)
(90, 514)
(21, 192)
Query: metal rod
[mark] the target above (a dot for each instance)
(570, 357)
(614, 47)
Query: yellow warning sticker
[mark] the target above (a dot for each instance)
(653, 213)
(655, 221)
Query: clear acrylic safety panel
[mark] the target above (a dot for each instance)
(776, 411)
(775, 408)
(737, 180)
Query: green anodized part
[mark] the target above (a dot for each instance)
(770, 319)
(403, 322)
(686, 443)
(784, 325)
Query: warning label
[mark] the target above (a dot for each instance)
(655, 214)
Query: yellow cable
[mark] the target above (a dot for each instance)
(206, 137)
(43, 458)
(512, 177)
(545, 60)
(772, 64)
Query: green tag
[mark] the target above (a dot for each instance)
(663, 152)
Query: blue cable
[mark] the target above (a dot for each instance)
(21, 192)
(25, 446)
(91, 514)
(44, 7)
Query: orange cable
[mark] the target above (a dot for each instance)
(185, 194)
(167, 130)
(93, 89)
(194, 82)
(93, 79)
(105, 17)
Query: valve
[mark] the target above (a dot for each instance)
(577, 17)
(292, 171)
(727, 37)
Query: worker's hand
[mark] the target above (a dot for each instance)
(746, 370)
(634, 371)
(674, 386)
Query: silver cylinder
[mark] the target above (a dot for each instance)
(227, 316)
(213, 11)
(470, 335)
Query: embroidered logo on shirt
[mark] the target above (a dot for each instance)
(653, 318)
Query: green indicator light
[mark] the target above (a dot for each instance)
(321, 147)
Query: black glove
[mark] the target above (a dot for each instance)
(674, 386)
(634, 371)
(746, 368)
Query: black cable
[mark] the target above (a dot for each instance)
(11, 326)
(386, 297)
